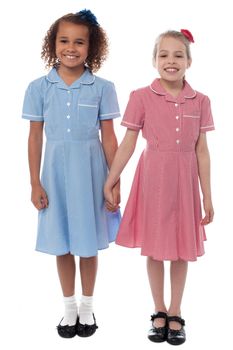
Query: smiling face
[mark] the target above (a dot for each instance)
(72, 43)
(172, 61)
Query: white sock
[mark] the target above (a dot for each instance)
(86, 310)
(71, 311)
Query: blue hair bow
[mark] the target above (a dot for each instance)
(88, 16)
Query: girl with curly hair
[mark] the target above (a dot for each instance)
(73, 104)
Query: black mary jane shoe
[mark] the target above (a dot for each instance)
(86, 330)
(176, 337)
(158, 334)
(67, 331)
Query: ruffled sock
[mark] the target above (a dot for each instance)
(71, 311)
(86, 310)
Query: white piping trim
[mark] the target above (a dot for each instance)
(52, 81)
(206, 127)
(103, 115)
(162, 94)
(138, 126)
(195, 94)
(88, 82)
(191, 116)
(32, 116)
(158, 93)
(83, 105)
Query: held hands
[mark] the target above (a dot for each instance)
(39, 197)
(209, 212)
(112, 197)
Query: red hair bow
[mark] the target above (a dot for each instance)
(187, 34)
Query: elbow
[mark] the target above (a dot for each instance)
(202, 152)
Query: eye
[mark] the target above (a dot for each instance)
(163, 55)
(63, 41)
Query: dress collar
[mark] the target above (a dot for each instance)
(87, 78)
(186, 93)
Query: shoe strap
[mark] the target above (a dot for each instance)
(159, 314)
(176, 319)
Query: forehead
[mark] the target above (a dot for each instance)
(68, 29)
(171, 44)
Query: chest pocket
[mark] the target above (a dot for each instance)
(191, 125)
(88, 110)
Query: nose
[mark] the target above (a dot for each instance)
(171, 59)
(71, 47)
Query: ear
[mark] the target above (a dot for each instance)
(189, 62)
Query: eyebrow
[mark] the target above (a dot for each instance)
(178, 51)
(66, 37)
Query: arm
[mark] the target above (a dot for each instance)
(109, 140)
(35, 140)
(110, 145)
(203, 159)
(122, 156)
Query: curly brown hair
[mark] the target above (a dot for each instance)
(98, 42)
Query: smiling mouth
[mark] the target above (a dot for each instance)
(171, 70)
(71, 57)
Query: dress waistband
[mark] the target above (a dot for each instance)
(73, 138)
(159, 149)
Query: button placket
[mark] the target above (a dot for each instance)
(178, 127)
(68, 117)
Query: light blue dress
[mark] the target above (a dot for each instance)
(75, 168)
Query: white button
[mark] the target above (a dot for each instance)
(177, 117)
(68, 103)
(176, 104)
(68, 91)
(177, 141)
(177, 129)
(68, 130)
(68, 116)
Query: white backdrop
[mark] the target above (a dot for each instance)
(31, 300)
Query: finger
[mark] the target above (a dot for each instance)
(205, 220)
(110, 199)
(111, 207)
(114, 200)
(44, 201)
(38, 205)
(108, 206)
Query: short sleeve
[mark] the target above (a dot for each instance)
(207, 123)
(109, 107)
(33, 103)
(134, 114)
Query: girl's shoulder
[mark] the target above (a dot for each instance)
(102, 82)
(39, 83)
(198, 95)
(201, 95)
(141, 92)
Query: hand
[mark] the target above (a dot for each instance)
(39, 197)
(112, 197)
(116, 195)
(209, 212)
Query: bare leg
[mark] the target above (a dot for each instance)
(88, 271)
(66, 272)
(155, 270)
(178, 273)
